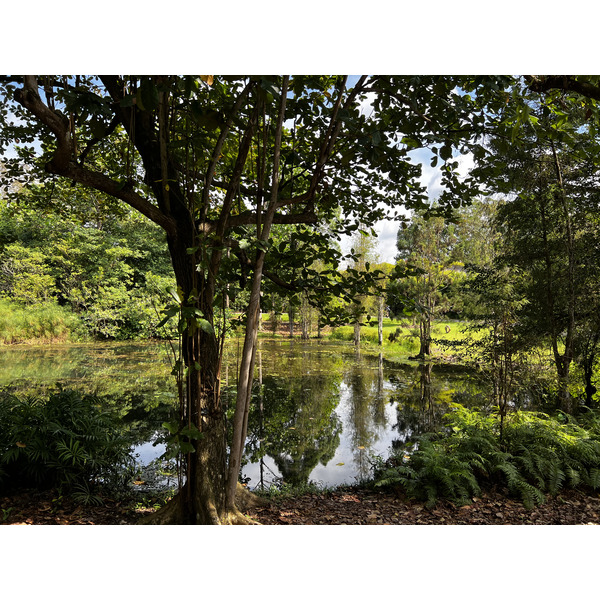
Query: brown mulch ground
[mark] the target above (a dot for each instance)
(353, 506)
(32, 507)
(368, 507)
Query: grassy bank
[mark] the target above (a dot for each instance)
(39, 323)
(402, 337)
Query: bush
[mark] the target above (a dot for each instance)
(536, 454)
(64, 441)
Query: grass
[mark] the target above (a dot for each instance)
(38, 323)
(406, 335)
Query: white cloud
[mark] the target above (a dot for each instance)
(388, 231)
(366, 106)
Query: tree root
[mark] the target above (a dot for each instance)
(172, 512)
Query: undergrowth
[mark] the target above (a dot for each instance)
(532, 456)
(285, 491)
(45, 322)
(63, 440)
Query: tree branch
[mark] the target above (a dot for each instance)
(568, 83)
(210, 172)
(63, 165)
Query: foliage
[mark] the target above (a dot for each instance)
(64, 440)
(284, 491)
(46, 322)
(425, 250)
(23, 275)
(112, 273)
(537, 454)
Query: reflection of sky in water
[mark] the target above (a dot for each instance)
(145, 453)
(355, 460)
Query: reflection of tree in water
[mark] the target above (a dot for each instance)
(292, 418)
(131, 380)
(367, 418)
(422, 400)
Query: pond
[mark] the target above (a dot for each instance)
(321, 411)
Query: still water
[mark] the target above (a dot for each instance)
(321, 412)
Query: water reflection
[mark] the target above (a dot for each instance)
(321, 412)
(133, 380)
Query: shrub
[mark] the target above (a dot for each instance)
(536, 454)
(64, 441)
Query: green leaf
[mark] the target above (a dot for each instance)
(147, 95)
(205, 326)
(446, 152)
(171, 427)
(186, 447)
(176, 293)
(97, 128)
(192, 432)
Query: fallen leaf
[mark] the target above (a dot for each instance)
(340, 465)
(361, 447)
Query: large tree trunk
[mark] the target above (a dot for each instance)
(201, 500)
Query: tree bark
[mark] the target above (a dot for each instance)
(244, 391)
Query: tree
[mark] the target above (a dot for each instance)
(213, 162)
(108, 270)
(425, 246)
(24, 276)
(364, 254)
(543, 228)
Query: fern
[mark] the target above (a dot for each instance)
(593, 478)
(63, 440)
(538, 455)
